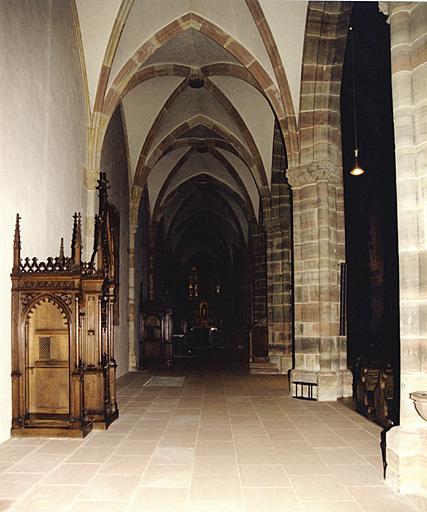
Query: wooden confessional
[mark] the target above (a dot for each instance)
(63, 367)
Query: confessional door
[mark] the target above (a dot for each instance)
(47, 364)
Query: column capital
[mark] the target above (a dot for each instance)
(90, 177)
(314, 172)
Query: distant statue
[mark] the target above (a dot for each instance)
(204, 310)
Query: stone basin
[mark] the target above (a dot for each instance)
(420, 402)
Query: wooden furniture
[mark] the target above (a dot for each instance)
(63, 367)
(157, 332)
(374, 391)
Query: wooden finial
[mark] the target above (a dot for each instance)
(61, 250)
(76, 244)
(17, 245)
(102, 192)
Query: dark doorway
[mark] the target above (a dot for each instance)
(370, 199)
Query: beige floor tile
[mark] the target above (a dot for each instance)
(318, 429)
(37, 463)
(215, 448)
(4, 466)
(29, 441)
(71, 474)
(326, 441)
(294, 448)
(14, 485)
(248, 430)
(166, 455)
(149, 434)
(245, 420)
(167, 475)
(12, 453)
(332, 506)
(305, 466)
(271, 500)
(210, 434)
(99, 506)
(258, 456)
(285, 435)
(95, 454)
(380, 499)
(216, 506)
(159, 500)
(355, 434)
(263, 475)
(212, 465)
(179, 440)
(49, 498)
(254, 441)
(117, 428)
(134, 447)
(215, 488)
(319, 488)
(60, 446)
(110, 487)
(100, 440)
(5, 505)
(375, 460)
(339, 456)
(125, 465)
(357, 474)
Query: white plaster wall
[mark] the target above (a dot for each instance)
(114, 163)
(141, 106)
(191, 103)
(286, 20)
(246, 176)
(42, 144)
(96, 18)
(255, 111)
(160, 172)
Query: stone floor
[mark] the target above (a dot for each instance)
(222, 441)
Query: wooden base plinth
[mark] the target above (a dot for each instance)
(76, 433)
(102, 423)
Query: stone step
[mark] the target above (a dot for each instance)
(263, 368)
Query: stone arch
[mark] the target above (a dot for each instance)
(229, 107)
(244, 202)
(324, 46)
(170, 141)
(107, 100)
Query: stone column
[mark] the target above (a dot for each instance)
(320, 353)
(279, 274)
(132, 317)
(259, 332)
(407, 443)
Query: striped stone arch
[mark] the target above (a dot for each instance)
(106, 102)
(228, 106)
(236, 226)
(244, 200)
(324, 47)
(171, 141)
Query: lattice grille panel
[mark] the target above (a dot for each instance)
(48, 348)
